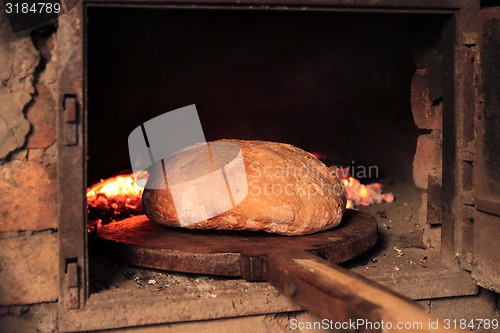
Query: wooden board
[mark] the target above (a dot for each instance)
(140, 242)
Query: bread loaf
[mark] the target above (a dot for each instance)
(287, 190)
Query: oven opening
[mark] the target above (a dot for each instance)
(344, 86)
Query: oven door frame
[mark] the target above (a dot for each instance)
(486, 229)
(75, 309)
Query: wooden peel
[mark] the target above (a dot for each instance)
(301, 267)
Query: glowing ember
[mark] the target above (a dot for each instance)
(364, 195)
(113, 199)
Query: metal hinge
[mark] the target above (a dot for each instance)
(70, 120)
(72, 285)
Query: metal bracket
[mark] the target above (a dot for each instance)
(253, 268)
(72, 284)
(70, 117)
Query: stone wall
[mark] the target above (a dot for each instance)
(28, 184)
(427, 109)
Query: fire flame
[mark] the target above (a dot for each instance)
(113, 199)
(364, 195)
(359, 194)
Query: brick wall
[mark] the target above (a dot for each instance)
(28, 157)
(427, 109)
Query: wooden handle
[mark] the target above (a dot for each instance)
(339, 295)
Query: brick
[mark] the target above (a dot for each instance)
(50, 156)
(36, 154)
(20, 154)
(42, 116)
(13, 126)
(16, 324)
(422, 211)
(44, 156)
(37, 318)
(427, 160)
(29, 193)
(425, 114)
(28, 269)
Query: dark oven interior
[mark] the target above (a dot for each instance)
(337, 84)
(333, 83)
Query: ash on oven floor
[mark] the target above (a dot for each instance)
(402, 245)
(105, 275)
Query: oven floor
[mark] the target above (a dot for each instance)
(124, 281)
(399, 221)
(400, 247)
